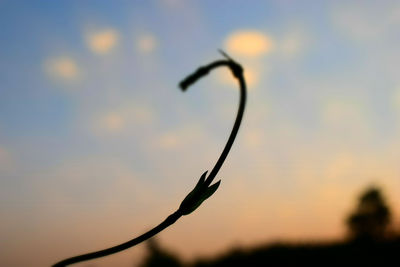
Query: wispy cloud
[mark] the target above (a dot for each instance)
(249, 43)
(343, 112)
(146, 43)
(254, 138)
(122, 119)
(168, 141)
(179, 138)
(112, 122)
(103, 41)
(64, 68)
(248, 46)
(294, 42)
(366, 20)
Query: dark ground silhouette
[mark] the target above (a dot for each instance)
(370, 243)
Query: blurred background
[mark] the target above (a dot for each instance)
(98, 144)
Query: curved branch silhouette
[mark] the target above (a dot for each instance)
(202, 190)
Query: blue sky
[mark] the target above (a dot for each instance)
(93, 127)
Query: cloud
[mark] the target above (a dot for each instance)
(179, 138)
(168, 141)
(291, 45)
(113, 183)
(64, 68)
(112, 122)
(343, 112)
(123, 118)
(249, 43)
(249, 46)
(102, 42)
(367, 20)
(146, 43)
(347, 122)
(294, 42)
(254, 138)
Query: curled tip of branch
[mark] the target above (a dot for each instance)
(191, 79)
(202, 71)
(203, 190)
(235, 67)
(225, 55)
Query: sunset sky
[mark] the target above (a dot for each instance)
(98, 144)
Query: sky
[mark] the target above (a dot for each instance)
(98, 144)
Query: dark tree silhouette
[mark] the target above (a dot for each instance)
(371, 218)
(158, 256)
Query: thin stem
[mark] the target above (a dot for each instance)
(237, 71)
(235, 128)
(97, 254)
